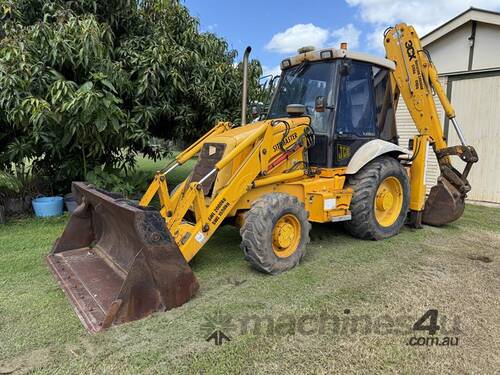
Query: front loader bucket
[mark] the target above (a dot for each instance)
(117, 262)
(444, 204)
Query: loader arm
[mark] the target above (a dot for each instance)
(261, 156)
(416, 80)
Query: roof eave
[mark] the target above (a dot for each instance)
(471, 14)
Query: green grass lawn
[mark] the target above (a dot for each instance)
(454, 269)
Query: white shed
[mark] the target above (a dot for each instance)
(466, 52)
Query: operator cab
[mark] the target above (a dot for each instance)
(346, 94)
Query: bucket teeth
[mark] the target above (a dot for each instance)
(116, 261)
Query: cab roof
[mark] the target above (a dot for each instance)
(336, 53)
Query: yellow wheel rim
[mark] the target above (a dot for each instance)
(388, 201)
(286, 235)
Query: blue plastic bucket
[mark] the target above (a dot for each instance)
(48, 206)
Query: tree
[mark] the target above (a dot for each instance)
(89, 83)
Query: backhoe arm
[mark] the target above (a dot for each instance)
(416, 80)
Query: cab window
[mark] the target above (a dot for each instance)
(302, 84)
(386, 118)
(356, 110)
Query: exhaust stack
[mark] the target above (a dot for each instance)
(244, 99)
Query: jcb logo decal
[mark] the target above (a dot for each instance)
(343, 152)
(410, 50)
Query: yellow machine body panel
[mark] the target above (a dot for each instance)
(270, 150)
(324, 195)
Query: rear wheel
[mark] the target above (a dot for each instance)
(381, 194)
(275, 233)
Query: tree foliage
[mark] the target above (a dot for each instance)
(88, 83)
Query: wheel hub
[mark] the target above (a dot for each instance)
(286, 236)
(388, 201)
(385, 200)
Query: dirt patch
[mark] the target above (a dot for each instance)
(481, 258)
(465, 294)
(26, 363)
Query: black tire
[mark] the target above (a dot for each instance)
(365, 184)
(257, 232)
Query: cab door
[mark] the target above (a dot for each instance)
(356, 113)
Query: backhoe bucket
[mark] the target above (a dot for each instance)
(117, 262)
(446, 201)
(444, 204)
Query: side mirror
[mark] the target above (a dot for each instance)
(320, 104)
(295, 110)
(256, 110)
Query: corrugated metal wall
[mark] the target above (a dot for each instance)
(477, 104)
(407, 129)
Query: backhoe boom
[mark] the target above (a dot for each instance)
(416, 80)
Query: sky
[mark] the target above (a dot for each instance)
(275, 29)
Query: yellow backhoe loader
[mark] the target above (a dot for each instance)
(326, 151)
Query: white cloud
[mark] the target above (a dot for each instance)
(375, 40)
(271, 70)
(424, 15)
(298, 36)
(348, 34)
(212, 27)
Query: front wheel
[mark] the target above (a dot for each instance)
(380, 199)
(275, 233)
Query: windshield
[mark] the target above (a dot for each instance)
(302, 84)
